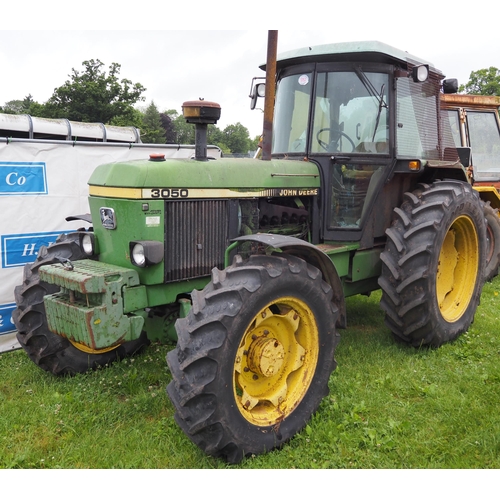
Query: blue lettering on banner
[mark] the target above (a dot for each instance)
(22, 178)
(21, 249)
(6, 322)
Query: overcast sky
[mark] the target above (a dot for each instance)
(218, 65)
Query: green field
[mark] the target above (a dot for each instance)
(390, 407)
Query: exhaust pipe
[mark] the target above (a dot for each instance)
(267, 139)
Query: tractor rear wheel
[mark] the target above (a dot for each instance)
(50, 351)
(433, 263)
(492, 241)
(254, 356)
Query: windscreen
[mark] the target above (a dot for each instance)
(350, 113)
(291, 114)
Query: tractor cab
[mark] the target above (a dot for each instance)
(368, 115)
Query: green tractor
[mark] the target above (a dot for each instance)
(246, 263)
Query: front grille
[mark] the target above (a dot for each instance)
(196, 236)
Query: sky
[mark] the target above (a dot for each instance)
(218, 65)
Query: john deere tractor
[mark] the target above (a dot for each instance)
(246, 263)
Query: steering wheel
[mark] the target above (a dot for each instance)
(338, 134)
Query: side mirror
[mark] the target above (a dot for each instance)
(259, 90)
(450, 86)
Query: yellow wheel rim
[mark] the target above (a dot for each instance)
(457, 268)
(89, 350)
(276, 361)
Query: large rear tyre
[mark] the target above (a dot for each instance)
(492, 241)
(254, 356)
(50, 351)
(433, 263)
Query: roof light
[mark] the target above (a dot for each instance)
(420, 73)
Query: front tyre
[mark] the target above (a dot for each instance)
(254, 356)
(50, 351)
(433, 263)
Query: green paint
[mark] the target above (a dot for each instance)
(226, 173)
(132, 223)
(89, 309)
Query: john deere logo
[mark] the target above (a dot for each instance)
(108, 218)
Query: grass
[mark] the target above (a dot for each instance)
(390, 407)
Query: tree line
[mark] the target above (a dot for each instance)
(98, 96)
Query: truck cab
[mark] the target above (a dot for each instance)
(475, 124)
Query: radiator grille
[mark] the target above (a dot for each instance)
(196, 236)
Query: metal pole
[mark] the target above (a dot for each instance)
(272, 45)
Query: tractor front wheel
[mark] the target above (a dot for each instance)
(50, 351)
(254, 356)
(433, 263)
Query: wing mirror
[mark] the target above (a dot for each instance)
(257, 90)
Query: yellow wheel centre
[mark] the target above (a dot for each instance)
(276, 361)
(457, 269)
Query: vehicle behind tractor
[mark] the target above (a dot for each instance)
(246, 264)
(475, 125)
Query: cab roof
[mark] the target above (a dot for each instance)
(350, 51)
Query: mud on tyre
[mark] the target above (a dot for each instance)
(49, 351)
(433, 263)
(254, 356)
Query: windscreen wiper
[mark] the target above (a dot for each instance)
(373, 92)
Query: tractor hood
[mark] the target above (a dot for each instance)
(136, 179)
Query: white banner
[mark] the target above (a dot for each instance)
(41, 183)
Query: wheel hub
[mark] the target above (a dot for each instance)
(265, 356)
(276, 361)
(457, 269)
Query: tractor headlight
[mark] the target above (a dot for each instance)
(146, 253)
(88, 244)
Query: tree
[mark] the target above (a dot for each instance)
(216, 137)
(133, 118)
(94, 96)
(483, 82)
(255, 143)
(237, 138)
(183, 131)
(233, 139)
(152, 130)
(168, 127)
(20, 107)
